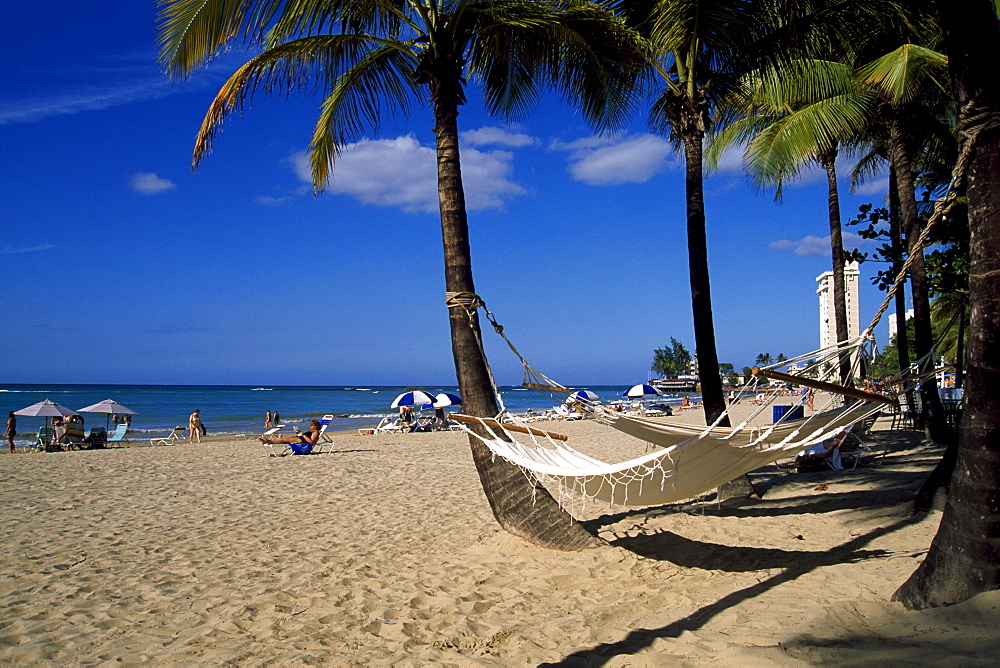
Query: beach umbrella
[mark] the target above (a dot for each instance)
(108, 406)
(414, 398)
(442, 399)
(642, 390)
(584, 395)
(45, 408)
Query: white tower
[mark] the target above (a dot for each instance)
(827, 322)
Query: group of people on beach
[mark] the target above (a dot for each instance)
(272, 420)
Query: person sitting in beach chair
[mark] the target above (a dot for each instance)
(73, 436)
(299, 444)
(821, 455)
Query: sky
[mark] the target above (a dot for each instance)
(120, 264)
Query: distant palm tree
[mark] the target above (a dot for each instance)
(380, 57)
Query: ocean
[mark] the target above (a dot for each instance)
(240, 409)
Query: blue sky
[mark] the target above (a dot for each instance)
(121, 265)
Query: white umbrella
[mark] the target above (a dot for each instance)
(45, 408)
(414, 398)
(108, 406)
(642, 390)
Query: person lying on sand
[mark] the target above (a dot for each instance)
(301, 444)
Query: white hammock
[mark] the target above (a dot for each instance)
(682, 470)
(694, 459)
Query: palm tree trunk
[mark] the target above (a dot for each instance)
(932, 410)
(701, 303)
(828, 160)
(964, 557)
(522, 509)
(896, 241)
(701, 291)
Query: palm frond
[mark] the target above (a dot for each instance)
(908, 72)
(378, 84)
(305, 64)
(191, 32)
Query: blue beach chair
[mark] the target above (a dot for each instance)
(118, 437)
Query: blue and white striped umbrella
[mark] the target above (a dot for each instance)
(414, 398)
(584, 395)
(642, 390)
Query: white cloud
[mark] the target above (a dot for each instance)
(402, 173)
(627, 159)
(10, 250)
(109, 83)
(731, 160)
(486, 136)
(272, 201)
(876, 187)
(148, 183)
(813, 245)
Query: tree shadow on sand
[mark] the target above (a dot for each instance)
(801, 564)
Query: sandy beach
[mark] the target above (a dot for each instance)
(385, 552)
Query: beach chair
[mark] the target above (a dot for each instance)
(388, 425)
(862, 442)
(175, 436)
(118, 437)
(325, 422)
(273, 431)
(97, 437)
(46, 437)
(285, 450)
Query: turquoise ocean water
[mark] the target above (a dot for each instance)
(239, 409)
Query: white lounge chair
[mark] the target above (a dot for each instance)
(175, 436)
(253, 438)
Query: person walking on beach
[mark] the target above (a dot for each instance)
(267, 420)
(11, 430)
(194, 426)
(275, 419)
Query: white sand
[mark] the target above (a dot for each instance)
(386, 552)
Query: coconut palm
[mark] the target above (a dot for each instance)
(912, 82)
(962, 560)
(375, 58)
(791, 117)
(698, 58)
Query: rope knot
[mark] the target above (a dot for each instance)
(470, 301)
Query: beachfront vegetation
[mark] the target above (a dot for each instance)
(671, 361)
(384, 57)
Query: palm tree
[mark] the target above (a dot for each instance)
(912, 81)
(789, 117)
(698, 57)
(379, 57)
(962, 560)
